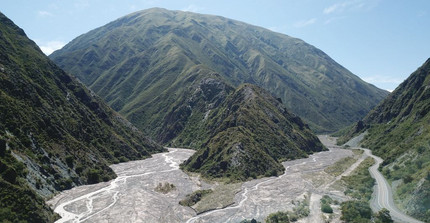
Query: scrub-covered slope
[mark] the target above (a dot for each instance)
(399, 132)
(130, 62)
(249, 134)
(54, 133)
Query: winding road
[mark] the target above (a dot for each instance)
(382, 194)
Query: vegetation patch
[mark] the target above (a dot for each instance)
(399, 132)
(300, 210)
(326, 202)
(359, 186)
(165, 187)
(340, 166)
(54, 132)
(221, 196)
(250, 221)
(193, 198)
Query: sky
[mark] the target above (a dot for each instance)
(381, 41)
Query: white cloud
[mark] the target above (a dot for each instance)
(333, 19)
(351, 5)
(192, 8)
(44, 14)
(379, 79)
(50, 46)
(304, 23)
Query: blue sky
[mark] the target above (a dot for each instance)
(381, 41)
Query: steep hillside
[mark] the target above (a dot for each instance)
(250, 133)
(54, 133)
(135, 60)
(399, 132)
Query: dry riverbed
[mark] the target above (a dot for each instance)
(132, 196)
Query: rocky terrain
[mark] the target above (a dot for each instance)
(132, 197)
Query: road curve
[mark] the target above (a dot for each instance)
(383, 196)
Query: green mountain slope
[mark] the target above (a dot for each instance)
(250, 133)
(134, 61)
(399, 132)
(238, 133)
(54, 133)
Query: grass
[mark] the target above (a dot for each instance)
(193, 198)
(222, 196)
(359, 183)
(359, 186)
(343, 164)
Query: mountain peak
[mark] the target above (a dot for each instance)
(123, 59)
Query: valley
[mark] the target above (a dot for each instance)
(87, 142)
(131, 197)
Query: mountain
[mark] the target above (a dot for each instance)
(141, 62)
(54, 133)
(249, 134)
(399, 132)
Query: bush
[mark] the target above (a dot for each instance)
(69, 161)
(250, 221)
(383, 216)
(278, 217)
(93, 176)
(356, 211)
(2, 147)
(326, 208)
(194, 197)
(164, 187)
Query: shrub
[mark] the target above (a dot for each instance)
(356, 211)
(383, 216)
(93, 176)
(326, 208)
(194, 197)
(69, 161)
(164, 187)
(278, 217)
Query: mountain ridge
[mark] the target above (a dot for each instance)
(54, 133)
(398, 132)
(165, 45)
(251, 133)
